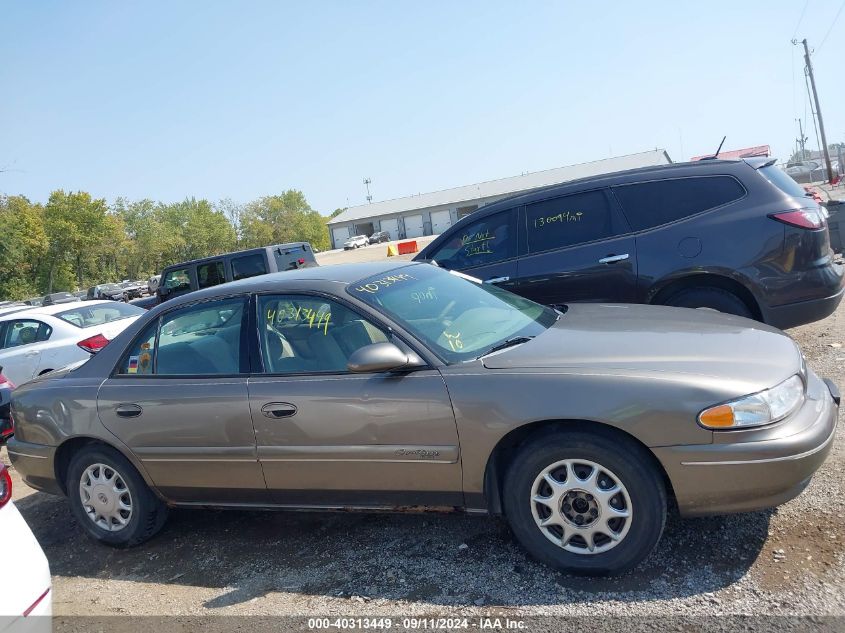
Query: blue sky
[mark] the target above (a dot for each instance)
(168, 100)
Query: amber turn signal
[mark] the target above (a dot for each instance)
(720, 417)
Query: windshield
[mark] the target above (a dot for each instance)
(458, 319)
(782, 181)
(89, 316)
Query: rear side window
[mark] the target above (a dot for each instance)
(199, 340)
(650, 204)
(248, 266)
(24, 332)
(568, 220)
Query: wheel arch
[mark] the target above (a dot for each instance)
(71, 446)
(509, 444)
(660, 293)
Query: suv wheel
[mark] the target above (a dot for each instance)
(715, 298)
(584, 503)
(110, 500)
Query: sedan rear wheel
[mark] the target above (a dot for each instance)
(110, 500)
(585, 503)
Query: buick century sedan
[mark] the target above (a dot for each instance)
(390, 386)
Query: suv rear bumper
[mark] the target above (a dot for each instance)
(801, 312)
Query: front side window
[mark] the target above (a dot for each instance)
(307, 334)
(89, 316)
(650, 204)
(210, 274)
(568, 220)
(199, 340)
(487, 241)
(458, 319)
(248, 266)
(25, 332)
(177, 280)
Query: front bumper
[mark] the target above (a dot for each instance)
(751, 469)
(35, 463)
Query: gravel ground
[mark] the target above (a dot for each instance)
(786, 561)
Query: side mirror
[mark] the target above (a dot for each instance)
(380, 357)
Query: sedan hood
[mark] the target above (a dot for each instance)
(644, 338)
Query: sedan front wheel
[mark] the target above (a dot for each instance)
(585, 503)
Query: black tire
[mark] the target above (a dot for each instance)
(708, 297)
(632, 465)
(148, 512)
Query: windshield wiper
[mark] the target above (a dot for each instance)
(516, 340)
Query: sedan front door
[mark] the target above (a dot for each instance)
(331, 438)
(179, 401)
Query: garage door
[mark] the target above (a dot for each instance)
(413, 226)
(392, 227)
(340, 235)
(440, 221)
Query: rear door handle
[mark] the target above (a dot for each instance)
(613, 258)
(497, 280)
(278, 410)
(128, 410)
(32, 352)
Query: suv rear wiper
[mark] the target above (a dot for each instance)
(516, 340)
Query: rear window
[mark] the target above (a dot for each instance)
(89, 316)
(782, 181)
(294, 257)
(650, 204)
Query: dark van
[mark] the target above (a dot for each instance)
(184, 277)
(739, 236)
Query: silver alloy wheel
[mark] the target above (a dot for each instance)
(581, 506)
(105, 497)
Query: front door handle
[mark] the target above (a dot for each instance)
(128, 410)
(497, 280)
(278, 410)
(32, 352)
(613, 258)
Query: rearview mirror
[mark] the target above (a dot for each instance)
(380, 357)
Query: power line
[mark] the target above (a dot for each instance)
(800, 18)
(832, 24)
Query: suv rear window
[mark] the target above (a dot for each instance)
(294, 257)
(650, 204)
(782, 181)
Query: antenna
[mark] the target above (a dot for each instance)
(716, 155)
(367, 182)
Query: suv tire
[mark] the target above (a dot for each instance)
(708, 297)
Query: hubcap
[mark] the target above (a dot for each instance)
(105, 497)
(581, 506)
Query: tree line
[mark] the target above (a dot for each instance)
(75, 241)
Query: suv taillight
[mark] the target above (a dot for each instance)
(93, 344)
(802, 218)
(5, 485)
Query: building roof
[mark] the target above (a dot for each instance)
(503, 186)
(748, 152)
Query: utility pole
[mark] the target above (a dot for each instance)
(802, 139)
(367, 182)
(818, 110)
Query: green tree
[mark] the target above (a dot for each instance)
(283, 218)
(23, 245)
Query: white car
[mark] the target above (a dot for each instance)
(355, 242)
(38, 340)
(26, 602)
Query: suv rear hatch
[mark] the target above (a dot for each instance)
(294, 256)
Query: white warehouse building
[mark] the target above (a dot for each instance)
(432, 213)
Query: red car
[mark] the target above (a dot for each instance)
(6, 428)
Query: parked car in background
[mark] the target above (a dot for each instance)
(33, 301)
(11, 304)
(80, 294)
(40, 340)
(574, 423)
(184, 277)
(112, 292)
(131, 290)
(355, 241)
(57, 298)
(25, 600)
(152, 284)
(378, 237)
(736, 236)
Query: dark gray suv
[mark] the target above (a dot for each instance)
(739, 236)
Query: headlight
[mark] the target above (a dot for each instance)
(765, 407)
